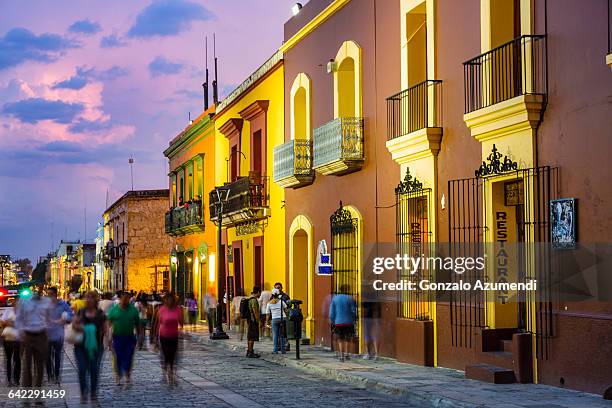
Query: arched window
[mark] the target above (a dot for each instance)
(300, 107)
(347, 81)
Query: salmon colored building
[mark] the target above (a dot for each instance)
(192, 260)
(424, 123)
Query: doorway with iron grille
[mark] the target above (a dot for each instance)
(346, 260)
(503, 214)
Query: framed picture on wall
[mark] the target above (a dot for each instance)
(563, 223)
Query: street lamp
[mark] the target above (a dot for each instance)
(222, 195)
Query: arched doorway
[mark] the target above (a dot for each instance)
(301, 269)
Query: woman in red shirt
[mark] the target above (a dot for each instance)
(170, 316)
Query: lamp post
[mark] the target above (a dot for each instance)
(122, 249)
(222, 194)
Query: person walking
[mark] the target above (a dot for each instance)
(32, 318)
(276, 309)
(143, 312)
(12, 346)
(285, 298)
(192, 310)
(124, 319)
(91, 321)
(170, 317)
(253, 322)
(342, 316)
(210, 308)
(61, 313)
(264, 298)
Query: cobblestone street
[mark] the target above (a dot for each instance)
(212, 377)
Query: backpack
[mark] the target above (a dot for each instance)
(245, 312)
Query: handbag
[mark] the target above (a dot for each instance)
(73, 336)
(10, 334)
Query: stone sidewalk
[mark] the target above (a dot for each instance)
(422, 386)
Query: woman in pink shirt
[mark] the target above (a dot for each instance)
(170, 316)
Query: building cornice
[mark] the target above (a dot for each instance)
(255, 109)
(313, 24)
(231, 126)
(192, 131)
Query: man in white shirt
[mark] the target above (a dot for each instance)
(264, 298)
(32, 319)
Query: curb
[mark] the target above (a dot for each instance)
(412, 396)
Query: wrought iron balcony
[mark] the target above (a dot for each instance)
(185, 219)
(293, 163)
(510, 70)
(415, 108)
(338, 146)
(248, 200)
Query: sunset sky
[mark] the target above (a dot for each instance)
(84, 85)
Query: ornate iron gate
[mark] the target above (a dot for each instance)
(466, 235)
(413, 236)
(530, 192)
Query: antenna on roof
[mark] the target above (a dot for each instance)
(190, 121)
(214, 84)
(205, 84)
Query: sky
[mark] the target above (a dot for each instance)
(85, 85)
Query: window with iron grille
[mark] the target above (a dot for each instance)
(413, 236)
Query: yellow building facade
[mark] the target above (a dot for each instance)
(249, 123)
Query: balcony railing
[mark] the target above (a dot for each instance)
(510, 70)
(415, 108)
(338, 146)
(293, 163)
(185, 219)
(248, 200)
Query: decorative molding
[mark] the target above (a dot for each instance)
(416, 145)
(253, 110)
(231, 126)
(246, 228)
(342, 221)
(503, 118)
(409, 184)
(496, 166)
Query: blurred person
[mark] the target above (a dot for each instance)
(77, 302)
(170, 317)
(285, 298)
(192, 309)
(264, 298)
(236, 315)
(124, 319)
(92, 322)
(276, 309)
(342, 316)
(143, 312)
(12, 345)
(61, 313)
(371, 328)
(106, 302)
(253, 322)
(210, 307)
(32, 318)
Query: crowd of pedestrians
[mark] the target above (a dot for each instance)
(35, 328)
